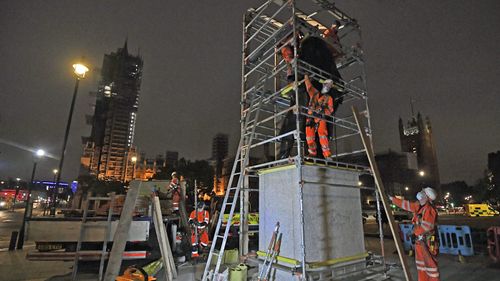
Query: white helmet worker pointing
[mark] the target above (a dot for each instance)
(427, 194)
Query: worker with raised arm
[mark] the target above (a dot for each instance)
(424, 231)
(175, 188)
(320, 107)
(199, 219)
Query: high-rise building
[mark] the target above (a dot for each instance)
(109, 150)
(416, 137)
(398, 172)
(219, 153)
(494, 169)
(220, 146)
(171, 159)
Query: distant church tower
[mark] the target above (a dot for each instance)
(416, 137)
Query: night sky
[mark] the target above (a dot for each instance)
(443, 54)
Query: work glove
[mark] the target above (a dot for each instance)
(391, 197)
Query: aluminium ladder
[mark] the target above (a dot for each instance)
(233, 191)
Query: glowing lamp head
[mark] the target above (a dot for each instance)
(55, 171)
(134, 159)
(40, 153)
(80, 70)
(421, 173)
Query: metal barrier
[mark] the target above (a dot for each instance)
(493, 234)
(453, 239)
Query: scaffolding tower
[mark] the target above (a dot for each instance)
(266, 101)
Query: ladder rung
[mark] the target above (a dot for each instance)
(100, 198)
(249, 189)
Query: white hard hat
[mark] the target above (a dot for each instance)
(174, 174)
(327, 85)
(431, 193)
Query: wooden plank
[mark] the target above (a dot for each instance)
(380, 186)
(121, 234)
(166, 272)
(162, 239)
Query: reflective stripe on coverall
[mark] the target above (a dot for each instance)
(424, 221)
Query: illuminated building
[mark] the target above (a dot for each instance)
(219, 153)
(109, 150)
(494, 170)
(416, 137)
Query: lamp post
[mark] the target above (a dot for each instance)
(20, 242)
(79, 70)
(15, 195)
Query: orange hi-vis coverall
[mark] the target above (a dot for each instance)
(426, 244)
(200, 220)
(176, 194)
(319, 104)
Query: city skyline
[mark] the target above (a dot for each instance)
(446, 62)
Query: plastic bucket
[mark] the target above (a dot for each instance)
(238, 273)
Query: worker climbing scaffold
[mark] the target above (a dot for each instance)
(320, 105)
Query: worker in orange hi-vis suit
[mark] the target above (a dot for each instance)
(424, 231)
(199, 219)
(331, 34)
(288, 56)
(176, 192)
(320, 105)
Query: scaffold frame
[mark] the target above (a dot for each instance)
(266, 30)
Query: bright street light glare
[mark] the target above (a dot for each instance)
(134, 159)
(18, 179)
(80, 70)
(40, 153)
(421, 173)
(55, 171)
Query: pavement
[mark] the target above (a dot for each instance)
(476, 268)
(15, 267)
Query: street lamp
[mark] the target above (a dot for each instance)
(421, 173)
(20, 241)
(80, 70)
(134, 160)
(407, 188)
